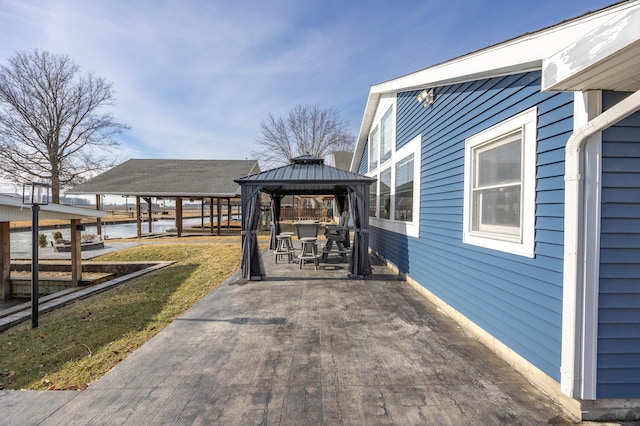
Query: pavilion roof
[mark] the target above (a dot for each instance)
(170, 178)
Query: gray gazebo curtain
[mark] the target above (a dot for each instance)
(276, 203)
(341, 205)
(251, 264)
(360, 266)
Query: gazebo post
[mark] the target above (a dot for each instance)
(76, 252)
(5, 261)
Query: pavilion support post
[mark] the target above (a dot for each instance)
(98, 219)
(202, 214)
(138, 217)
(76, 253)
(219, 211)
(5, 261)
(149, 213)
(211, 214)
(179, 215)
(228, 213)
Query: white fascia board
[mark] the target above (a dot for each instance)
(572, 65)
(166, 194)
(12, 209)
(365, 127)
(521, 54)
(69, 212)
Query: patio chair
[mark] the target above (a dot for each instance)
(336, 234)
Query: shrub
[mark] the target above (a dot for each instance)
(88, 237)
(42, 240)
(57, 236)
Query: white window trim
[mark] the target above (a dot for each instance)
(527, 121)
(412, 228)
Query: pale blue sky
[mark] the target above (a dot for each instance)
(195, 78)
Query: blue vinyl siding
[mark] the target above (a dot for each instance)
(619, 297)
(364, 161)
(516, 299)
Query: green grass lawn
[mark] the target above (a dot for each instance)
(77, 344)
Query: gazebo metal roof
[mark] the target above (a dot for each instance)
(306, 175)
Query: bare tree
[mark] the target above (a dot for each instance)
(307, 130)
(52, 127)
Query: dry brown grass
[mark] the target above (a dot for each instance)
(77, 344)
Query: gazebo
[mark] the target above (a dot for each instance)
(306, 175)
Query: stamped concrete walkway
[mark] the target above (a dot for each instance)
(301, 348)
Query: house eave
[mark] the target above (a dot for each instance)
(521, 54)
(607, 58)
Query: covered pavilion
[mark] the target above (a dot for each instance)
(306, 175)
(12, 210)
(146, 179)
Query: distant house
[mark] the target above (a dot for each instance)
(340, 160)
(508, 192)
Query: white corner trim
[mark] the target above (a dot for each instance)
(573, 283)
(591, 103)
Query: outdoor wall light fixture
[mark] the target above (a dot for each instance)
(426, 97)
(34, 194)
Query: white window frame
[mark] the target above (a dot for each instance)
(399, 226)
(524, 245)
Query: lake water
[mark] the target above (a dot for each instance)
(21, 241)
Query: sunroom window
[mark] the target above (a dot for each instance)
(373, 201)
(385, 194)
(404, 190)
(374, 143)
(386, 139)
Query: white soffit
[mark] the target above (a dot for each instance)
(608, 58)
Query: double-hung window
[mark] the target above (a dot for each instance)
(499, 198)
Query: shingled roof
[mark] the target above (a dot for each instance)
(170, 178)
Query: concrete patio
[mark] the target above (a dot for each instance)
(302, 347)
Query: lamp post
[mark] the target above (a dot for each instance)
(34, 194)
